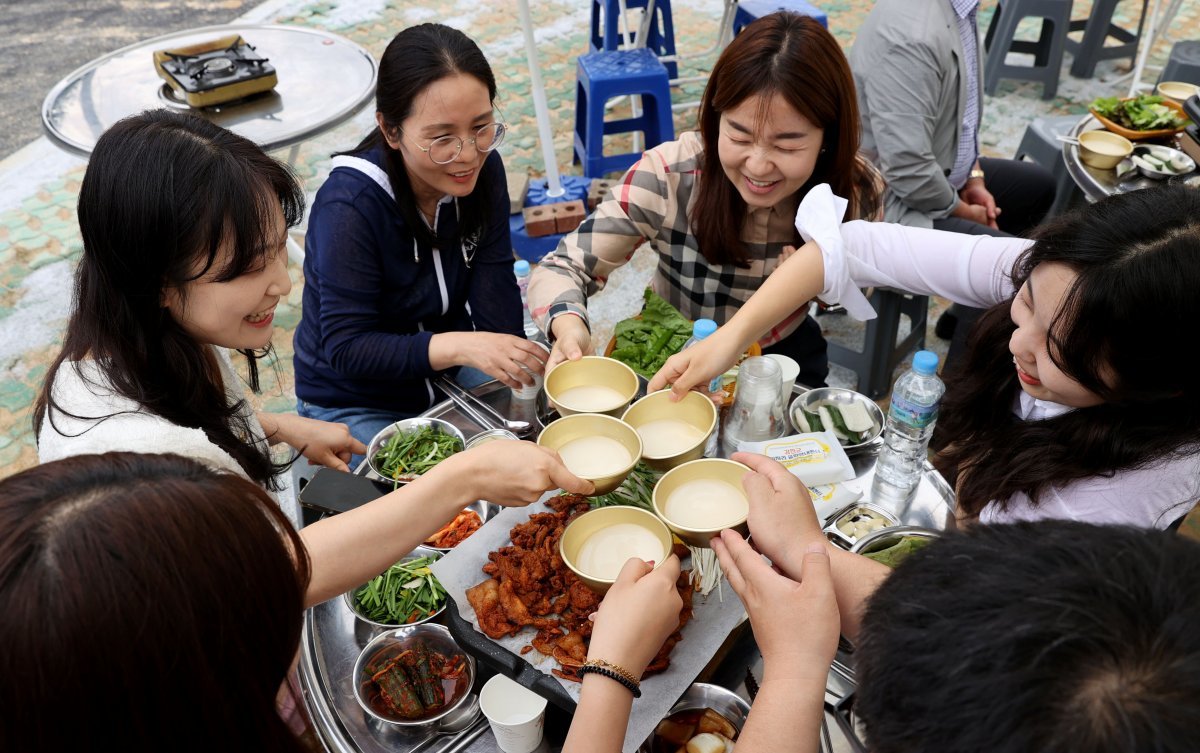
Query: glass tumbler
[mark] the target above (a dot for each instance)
(758, 411)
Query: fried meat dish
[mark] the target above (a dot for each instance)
(530, 586)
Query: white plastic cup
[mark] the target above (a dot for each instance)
(516, 714)
(530, 392)
(790, 370)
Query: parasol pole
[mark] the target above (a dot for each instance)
(554, 187)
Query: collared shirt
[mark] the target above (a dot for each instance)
(653, 204)
(968, 135)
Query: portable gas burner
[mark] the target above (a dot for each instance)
(216, 71)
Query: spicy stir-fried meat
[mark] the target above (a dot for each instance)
(531, 586)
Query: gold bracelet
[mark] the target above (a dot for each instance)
(615, 668)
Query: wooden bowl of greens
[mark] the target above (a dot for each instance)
(409, 448)
(1145, 116)
(407, 593)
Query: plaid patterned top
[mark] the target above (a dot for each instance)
(652, 203)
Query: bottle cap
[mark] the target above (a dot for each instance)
(521, 267)
(703, 328)
(925, 362)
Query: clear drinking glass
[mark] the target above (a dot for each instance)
(758, 411)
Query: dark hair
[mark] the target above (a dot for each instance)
(163, 192)
(1127, 315)
(795, 57)
(416, 58)
(1056, 637)
(147, 601)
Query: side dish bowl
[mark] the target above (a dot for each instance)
(408, 426)
(388, 645)
(840, 397)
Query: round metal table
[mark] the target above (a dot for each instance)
(1096, 183)
(323, 80)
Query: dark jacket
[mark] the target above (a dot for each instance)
(373, 296)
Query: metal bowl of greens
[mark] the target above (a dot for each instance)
(407, 593)
(851, 416)
(409, 448)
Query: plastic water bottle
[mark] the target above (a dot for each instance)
(521, 270)
(910, 422)
(701, 329)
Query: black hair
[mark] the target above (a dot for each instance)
(1123, 332)
(416, 58)
(148, 602)
(1055, 636)
(163, 194)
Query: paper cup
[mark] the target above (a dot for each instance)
(790, 370)
(517, 715)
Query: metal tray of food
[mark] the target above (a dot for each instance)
(333, 637)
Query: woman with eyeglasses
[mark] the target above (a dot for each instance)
(408, 263)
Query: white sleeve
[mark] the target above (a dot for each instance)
(970, 269)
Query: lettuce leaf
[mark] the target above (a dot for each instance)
(645, 344)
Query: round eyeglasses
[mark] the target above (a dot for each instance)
(445, 149)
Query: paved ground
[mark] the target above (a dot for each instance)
(39, 238)
(43, 41)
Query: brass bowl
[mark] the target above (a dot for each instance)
(1103, 150)
(717, 469)
(694, 409)
(591, 370)
(1177, 91)
(570, 428)
(582, 528)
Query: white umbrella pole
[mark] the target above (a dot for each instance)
(1149, 37)
(554, 187)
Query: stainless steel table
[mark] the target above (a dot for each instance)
(323, 80)
(333, 637)
(1095, 183)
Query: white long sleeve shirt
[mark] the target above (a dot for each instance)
(975, 270)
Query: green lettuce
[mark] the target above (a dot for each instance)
(645, 343)
(1145, 112)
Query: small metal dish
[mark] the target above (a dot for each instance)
(703, 695)
(352, 605)
(435, 637)
(840, 396)
(1161, 153)
(484, 509)
(849, 512)
(886, 537)
(407, 425)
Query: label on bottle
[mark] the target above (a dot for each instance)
(908, 412)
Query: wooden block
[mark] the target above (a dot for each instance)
(597, 190)
(518, 188)
(539, 221)
(568, 215)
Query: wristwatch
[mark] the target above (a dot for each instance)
(976, 172)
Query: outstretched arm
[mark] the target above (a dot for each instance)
(348, 549)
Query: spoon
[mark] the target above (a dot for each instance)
(479, 411)
(453, 723)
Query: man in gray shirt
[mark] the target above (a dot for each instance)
(917, 70)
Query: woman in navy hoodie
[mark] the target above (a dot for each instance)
(408, 266)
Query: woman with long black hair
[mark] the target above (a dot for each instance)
(408, 261)
(1079, 396)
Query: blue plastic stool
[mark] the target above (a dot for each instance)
(606, 34)
(749, 11)
(601, 76)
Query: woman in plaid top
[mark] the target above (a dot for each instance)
(780, 110)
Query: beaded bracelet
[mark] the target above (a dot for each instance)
(612, 672)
